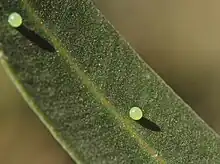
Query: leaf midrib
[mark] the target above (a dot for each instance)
(100, 97)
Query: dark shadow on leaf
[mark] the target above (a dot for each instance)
(149, 124)
(35, 38)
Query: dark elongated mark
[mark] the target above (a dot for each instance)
(15, 20)
(149, 124)
(35, 38)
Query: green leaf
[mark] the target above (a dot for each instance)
(83, 92)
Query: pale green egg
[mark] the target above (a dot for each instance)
(135, 113)
(15, 19)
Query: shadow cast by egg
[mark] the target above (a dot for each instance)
(35, 38)
(146, 123)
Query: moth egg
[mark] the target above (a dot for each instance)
(15, 19)
(136, 113)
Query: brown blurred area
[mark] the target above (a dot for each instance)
(179, 39)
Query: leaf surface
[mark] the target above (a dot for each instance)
(83, 92)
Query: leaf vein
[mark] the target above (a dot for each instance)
(93, 89)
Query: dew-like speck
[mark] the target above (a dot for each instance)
(51, 91)
(38, 89)
(155, 155)
(80, 99)
(148, 77)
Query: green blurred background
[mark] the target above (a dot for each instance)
(179, 39)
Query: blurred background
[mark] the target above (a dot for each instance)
(180, 40)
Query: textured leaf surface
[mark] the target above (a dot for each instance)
(83, 92)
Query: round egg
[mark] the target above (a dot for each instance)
(135, 113)
(15, 19)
